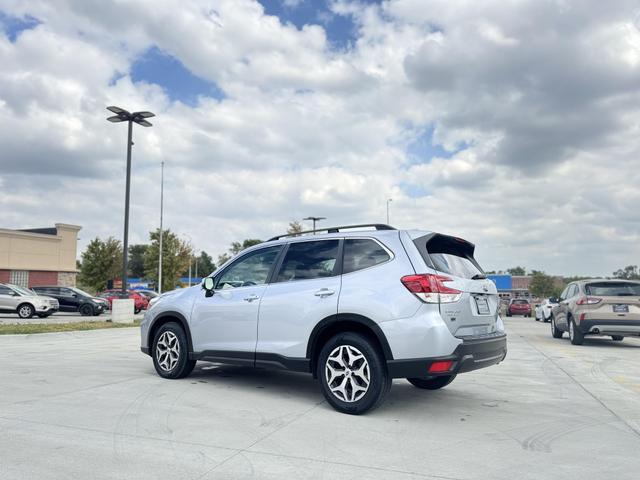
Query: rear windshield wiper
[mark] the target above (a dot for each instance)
(478, 276)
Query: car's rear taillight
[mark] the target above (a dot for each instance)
(431, 288)
(441, 366)
(588, 301)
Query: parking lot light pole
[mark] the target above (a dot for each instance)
(389, 200)
(122, 115)
(314, 220)
(159, 286)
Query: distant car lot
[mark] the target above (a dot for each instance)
(548, 411)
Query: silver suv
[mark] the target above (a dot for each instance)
(26, 303)
(356, 307)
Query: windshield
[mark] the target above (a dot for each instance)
(23, 291)
(81, 292)
(613, 289)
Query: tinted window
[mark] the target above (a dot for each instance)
(521, 302)
(613, 289)
(361, 253)
(306, 260)
(573, 290)
(5, 291)
(251, 269)
(451, 255)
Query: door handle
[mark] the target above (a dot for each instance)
(324, 292)
(251, 298)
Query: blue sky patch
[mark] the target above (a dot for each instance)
(14, 26)
(422, 149)
(341, 30)
(412, 190)
(160, 68)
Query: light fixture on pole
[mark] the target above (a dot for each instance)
(389, 200)
(122, 115)
(159, 286)
(314, 220)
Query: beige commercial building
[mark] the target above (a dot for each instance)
(39, 256)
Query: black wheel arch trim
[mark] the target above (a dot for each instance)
(348, 317)
(165, 316)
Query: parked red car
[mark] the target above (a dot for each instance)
(519, 306)
(140, 301)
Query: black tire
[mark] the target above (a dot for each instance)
(43, 315)
(617, 338)
(575, 335)
(25, 311)
(508, 314)
(555, 331)
(174, 369)
(434, 383)
(86, 310)
(136, 310)
(343, 347)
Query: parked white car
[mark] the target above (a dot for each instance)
(543, 311)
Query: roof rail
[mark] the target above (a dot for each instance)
(377, 226)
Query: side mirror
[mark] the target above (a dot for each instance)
(207, 284)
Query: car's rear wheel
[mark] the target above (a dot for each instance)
(575, 335)
(353, 374)
(555, 331)
(25, 311)
(434, 383)
(617, 338)
(136, 310)
(86, 310)
(170, 352)
(43, 315)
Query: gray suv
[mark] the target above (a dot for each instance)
(26, 303)
(355, 306)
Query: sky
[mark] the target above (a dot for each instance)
(513, 124)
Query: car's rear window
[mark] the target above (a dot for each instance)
(521, 302)
(451, 255)
(613, 289)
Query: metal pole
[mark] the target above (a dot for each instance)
(196, 262)
(161, 233)
(125, 247)
(388, 200)
(190, 270)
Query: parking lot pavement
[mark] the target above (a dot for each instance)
(64, 317)
(89, 405)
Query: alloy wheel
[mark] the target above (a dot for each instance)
(347, 373)
(167, 351)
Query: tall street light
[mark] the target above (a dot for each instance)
(314, 220)
(159, 286)
(388, 201)
(122, 115)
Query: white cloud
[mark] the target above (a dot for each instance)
(542, 95)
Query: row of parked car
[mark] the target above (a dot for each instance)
(44, 301)
(589, 307)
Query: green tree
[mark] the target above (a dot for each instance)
(101, 262)
(136, 259)
(543, 285)
(295, 228)
(517, 271)
(176, 255)
(236, 248)
(205, 264)
(630, 272)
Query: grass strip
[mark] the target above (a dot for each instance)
(26, 328)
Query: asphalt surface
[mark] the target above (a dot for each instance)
(89, 405)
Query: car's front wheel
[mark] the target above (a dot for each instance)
(555, 331)
(170, 352)
(25, 311)
(86, 310)
(136, 310)
(352, 373)
(434, 383)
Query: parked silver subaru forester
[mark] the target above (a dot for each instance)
(356, 307)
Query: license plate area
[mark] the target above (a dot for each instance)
(482, 304)
(621, 308)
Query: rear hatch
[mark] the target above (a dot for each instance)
(474, 310)
(612, 300)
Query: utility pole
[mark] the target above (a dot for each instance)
(314, 220)
(161, 232)
(388, 201)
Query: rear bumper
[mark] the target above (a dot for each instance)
(470, 355)
(610, 327)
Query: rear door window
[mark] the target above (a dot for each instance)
(361, 253)
(308, 260)
(613, 289)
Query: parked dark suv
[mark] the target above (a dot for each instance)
(73, 299)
